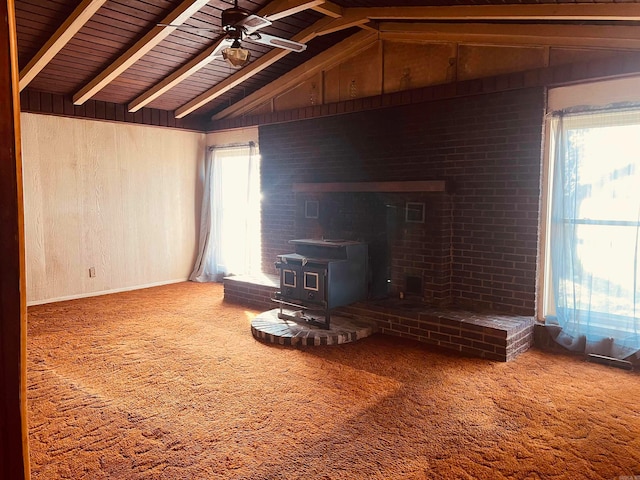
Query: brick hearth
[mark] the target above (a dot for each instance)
(487, 335)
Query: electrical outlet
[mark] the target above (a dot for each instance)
(92, 272)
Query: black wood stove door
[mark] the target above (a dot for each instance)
(290, 281)
(314, 283)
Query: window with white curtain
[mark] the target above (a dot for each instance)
(230, 216)
(593, 229)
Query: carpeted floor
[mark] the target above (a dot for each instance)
(168, 383)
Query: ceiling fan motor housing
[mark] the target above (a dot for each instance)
(232, 17)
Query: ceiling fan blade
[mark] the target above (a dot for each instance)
(253, 22)
(273, 41)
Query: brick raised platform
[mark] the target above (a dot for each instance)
(486, 335)
(269, 328)
(251, 291)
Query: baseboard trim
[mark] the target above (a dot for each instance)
(104, 292)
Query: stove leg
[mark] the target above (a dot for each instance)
(327, 320)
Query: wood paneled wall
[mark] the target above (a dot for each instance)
(392, 67)
(122, 199)
(33, 101)
(595, 69)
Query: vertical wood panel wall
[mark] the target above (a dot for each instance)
(119, 198)
(34, 101)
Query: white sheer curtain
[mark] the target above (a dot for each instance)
(594, 232)
(230, 218)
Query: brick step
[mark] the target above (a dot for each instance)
(489, 335)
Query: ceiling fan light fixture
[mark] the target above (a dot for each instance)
(235, 55)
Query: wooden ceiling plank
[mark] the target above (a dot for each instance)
(284, 8)
(323, 61)
(133, 11)
(196, 64)
(329, 9)
(178, 76)
(142, 46)
(44, 13)
(230, 82)
(93, 37)
(83, 12)
(247, 72)
(565, 11)
(595, 36)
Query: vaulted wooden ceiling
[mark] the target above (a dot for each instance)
(115, 51)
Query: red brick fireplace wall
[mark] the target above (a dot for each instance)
(478, 245)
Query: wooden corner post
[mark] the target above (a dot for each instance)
(14, 449)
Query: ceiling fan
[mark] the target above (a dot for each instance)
(239, 24)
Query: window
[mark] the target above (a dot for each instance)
(237, 202)
(230, 219)
(593, 229)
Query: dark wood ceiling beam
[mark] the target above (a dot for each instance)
(594, 36)
(141, 47)
(83, 12)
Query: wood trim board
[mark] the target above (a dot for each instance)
(14, 446)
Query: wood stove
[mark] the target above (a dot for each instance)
(320, 275)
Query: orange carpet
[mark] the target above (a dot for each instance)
(168, 383)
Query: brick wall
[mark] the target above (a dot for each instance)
(478, 248)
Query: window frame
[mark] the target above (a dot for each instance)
(545, 302)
